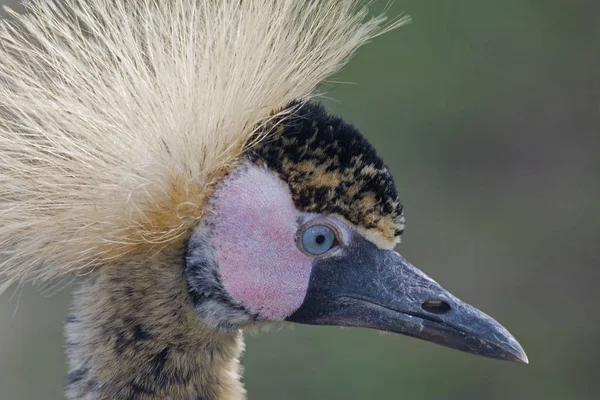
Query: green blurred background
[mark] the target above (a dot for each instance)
(488, 114)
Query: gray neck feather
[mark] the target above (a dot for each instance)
(211, 301)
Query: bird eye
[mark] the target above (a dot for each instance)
(317, 239)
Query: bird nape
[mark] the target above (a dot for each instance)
(170, 155)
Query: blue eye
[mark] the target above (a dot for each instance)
(317, 239)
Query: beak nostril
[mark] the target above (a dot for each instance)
(436, 306)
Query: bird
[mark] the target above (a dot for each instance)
(173, 157)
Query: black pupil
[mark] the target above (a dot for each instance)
(320, 239)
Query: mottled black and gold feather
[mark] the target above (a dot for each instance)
(331, 168)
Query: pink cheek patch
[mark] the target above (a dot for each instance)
(254, 227)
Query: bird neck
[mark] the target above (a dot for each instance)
(133, 334)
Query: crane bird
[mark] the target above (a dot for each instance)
(171, 155)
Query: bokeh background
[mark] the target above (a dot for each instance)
(488, 113)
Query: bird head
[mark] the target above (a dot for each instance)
(303, 230)
(136, 128)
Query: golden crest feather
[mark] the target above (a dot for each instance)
(117, 117)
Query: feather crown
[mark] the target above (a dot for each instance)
(117, 117)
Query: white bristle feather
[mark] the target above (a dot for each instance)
(116, 117)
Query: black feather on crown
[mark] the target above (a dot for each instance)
(331, 168)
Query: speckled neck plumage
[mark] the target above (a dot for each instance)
(133, 334)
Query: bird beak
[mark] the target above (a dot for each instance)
(365, 286)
